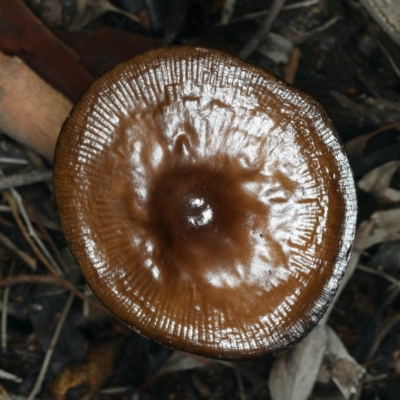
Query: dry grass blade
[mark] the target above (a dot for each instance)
(242, 394)
(10, 377)
(383, 274)
(227, 11)
(49, 279)
(46, 235)
(7, 182)
(46, 362)
(386, 328)
(6, 295)
(15, 202)
(264, 29)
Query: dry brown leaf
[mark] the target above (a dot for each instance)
(378, 180)
(356, 146)
(294, 373)
(346, 372)
(88, 10)
(88, 375)
(383, 226)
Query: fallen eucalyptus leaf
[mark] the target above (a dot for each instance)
(378, 180)
(346, 372)
(179, 361)
(383, 226)
(294, 373)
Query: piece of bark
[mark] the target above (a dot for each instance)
(31, 111)
(22, 34)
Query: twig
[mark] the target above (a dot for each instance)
(264, 29)
(45, 234)
(4, 394)
(32, 232)
(15, 203)
(386, 328)
(289, 7)
(46, 362)
(9, 376)
(373, 378)
(242, 394)
(321, 28)
(383, 274)
(22, 279)
(227, 11)
(291, 69)
(49, 279)
(7, 182)
(389, 58)
(25, 257)
(9, 160)
(4, 312)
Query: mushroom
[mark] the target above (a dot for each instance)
(209, 204)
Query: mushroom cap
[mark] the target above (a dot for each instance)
(209, 205)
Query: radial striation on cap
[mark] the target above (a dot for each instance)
(209, 204)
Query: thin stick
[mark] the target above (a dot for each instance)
(47, 237)
(46, 362)
(242, 394)
(32, 232)
(25, 257)
(6, 296)
(386, 327)
(7, 182)
(49, 279)
(389, 58)
(10, 160)
(23, 279)
(263, 31)
(4, 394)
(227, 11)
(289, 7)
(383, 274)
(14, 210)
(10, 377)
(291, 69)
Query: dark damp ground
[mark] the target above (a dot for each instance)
(56, 340)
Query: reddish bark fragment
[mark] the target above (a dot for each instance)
(24, 35)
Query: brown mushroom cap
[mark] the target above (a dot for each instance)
(209, 204)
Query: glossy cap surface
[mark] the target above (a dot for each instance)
(209, 205)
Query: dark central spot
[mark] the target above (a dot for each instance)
(201, 216)
(189, 204)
